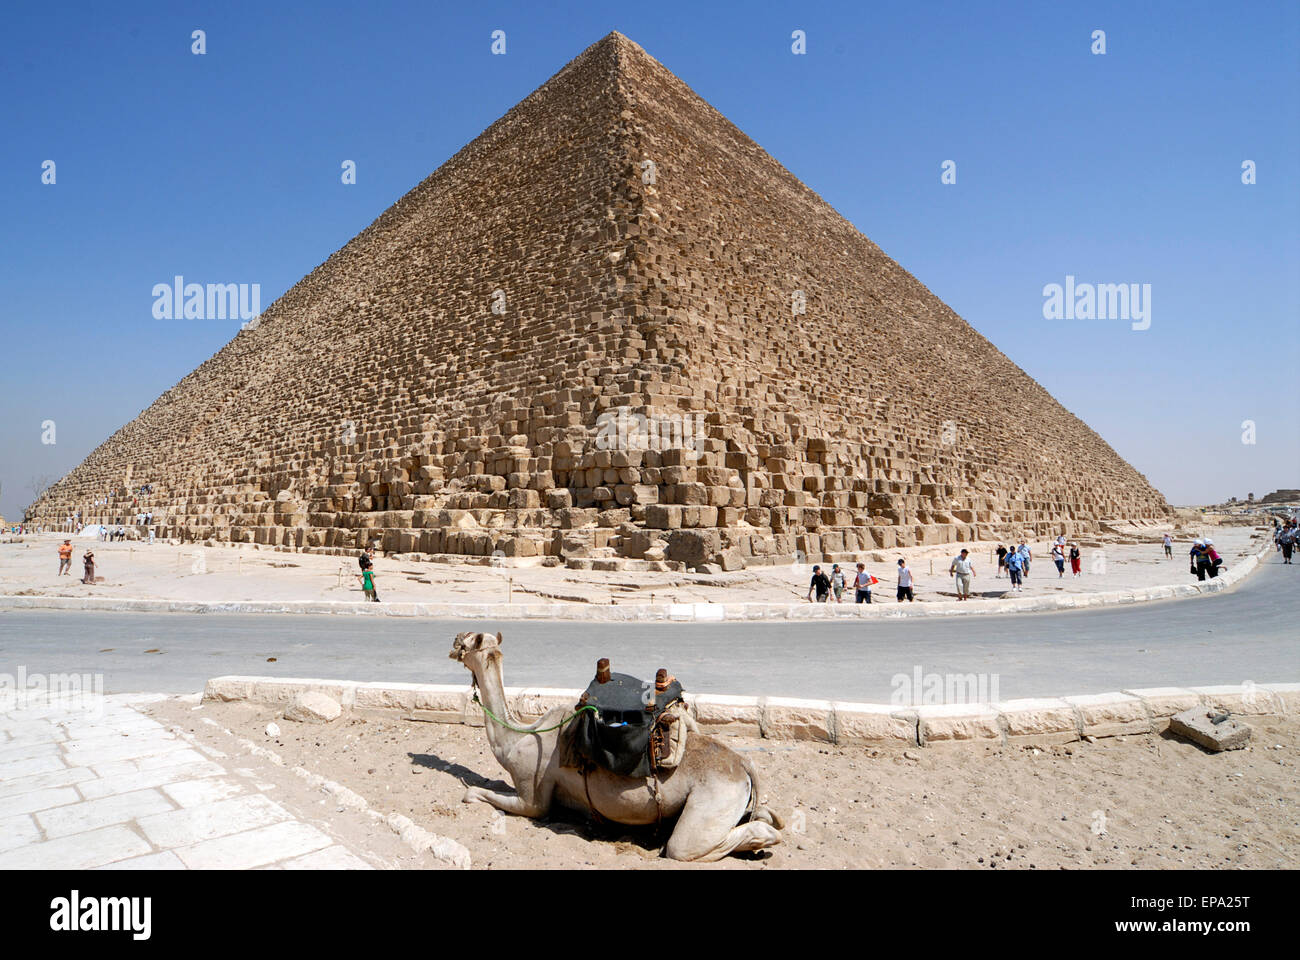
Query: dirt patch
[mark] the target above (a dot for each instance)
(1147, 801)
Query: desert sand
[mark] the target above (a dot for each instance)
(1125, 802)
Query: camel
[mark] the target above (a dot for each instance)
(709, 792)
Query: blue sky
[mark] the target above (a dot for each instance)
(1119, 168)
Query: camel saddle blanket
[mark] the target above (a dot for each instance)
(624, 735)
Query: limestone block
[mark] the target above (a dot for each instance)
(1046, 719)
(1111, 714)
(952, 722)
(723, 714)
(228, 689)
(311, 707)
(693, 546)
(659, 516)
(872, 723)
(1198, 726)
(444, 702)
(1243, 698)
(533, 702)
(1286, 696)
(1163, 702)
(785, 718)
(732, 560)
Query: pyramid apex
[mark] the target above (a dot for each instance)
(617, 41)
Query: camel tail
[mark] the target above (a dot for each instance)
(761, 812)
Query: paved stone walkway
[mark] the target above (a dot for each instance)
(98, 784)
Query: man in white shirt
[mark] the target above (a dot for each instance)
(964, 570)
(905, 582)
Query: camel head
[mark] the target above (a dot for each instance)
(473, 649)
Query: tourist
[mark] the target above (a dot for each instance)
(1286, 542)
(367, 559)
(1204, 559)
(367, 578)
(862, 582)
(1169, 547)
(1076, 560)
(837, 583)
(963, 570)
(905, 583)
(1212, 557)
(1026, 555)
(820, 583)
(1002, 561)
(1058, 558)
(1015, 564)
(65, 557)
(88, 561)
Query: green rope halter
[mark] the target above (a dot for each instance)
(525, 729)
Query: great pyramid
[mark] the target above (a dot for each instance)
(471, 373)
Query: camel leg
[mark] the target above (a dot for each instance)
(754, 835)
(512, 802)
(707, 829)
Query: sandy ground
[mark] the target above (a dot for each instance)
(1146, 802)
(1119, 561)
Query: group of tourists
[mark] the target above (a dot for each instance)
(1205, 559)
(1015, 559)
(823, 584)
(87, 562)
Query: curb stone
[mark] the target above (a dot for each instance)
(1008, 722)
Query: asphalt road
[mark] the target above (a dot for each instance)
(1251, 633)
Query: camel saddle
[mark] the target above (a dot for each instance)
(636, 730)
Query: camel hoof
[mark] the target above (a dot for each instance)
(470, 796)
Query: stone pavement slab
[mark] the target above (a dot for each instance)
(254, 848)
(177, 828)
(97, 784)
